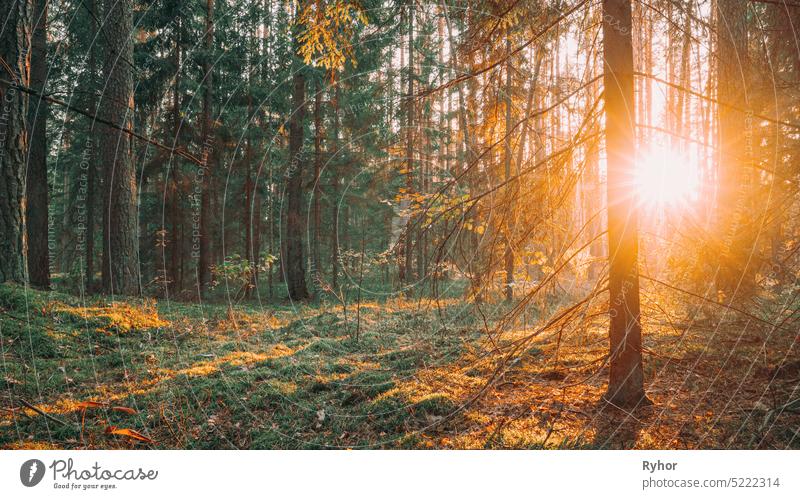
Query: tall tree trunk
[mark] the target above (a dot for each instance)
(271, 240)
(14, 33)
(401, 240)
(465, 151)
(36, 178)
(626, 379)
(294, 267)
(205, 257)
(409, 239)
(684, 79)
(250, 215)
(509, 253)
(256, 228)
(120, 230)
(251, 212)
(92, 153)
(335, 188)
(593, 184)
(733, 159)
(175, 241)
(317, 187)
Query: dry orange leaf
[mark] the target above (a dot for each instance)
(89, 404)
(127, 432)
(126, 410)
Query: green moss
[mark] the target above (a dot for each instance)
(264, 404)
(435, 405)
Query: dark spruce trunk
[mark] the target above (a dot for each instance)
(175, 242)
(317, 271)
(36, 178)
(91, 156)
(409, 239)
(335, 189)
(294, 268)
(204, 260)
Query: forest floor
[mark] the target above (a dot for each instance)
(141, 373)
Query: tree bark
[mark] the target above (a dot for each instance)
(509, 253)
(626, 379)
(734, 153)
(14, 35)
(204, 260)
(317, 187)
(408, 243)
(36, 178)
(175, 216)
(120, 230)
(251, 212)
(295, 263)
(335, 189)
(92, 156)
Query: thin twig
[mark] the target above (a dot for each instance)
(42, 413)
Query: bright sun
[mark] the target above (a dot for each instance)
(665, 178)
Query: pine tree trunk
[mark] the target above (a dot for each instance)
(251, 214)
(317, 187)
(205, 256)
(14, 33)
(294, 268)
(732, 67)
(509, 254)
(409, 239)
(36, 179)
(120, 230)
(684, 79)
(271, 241)
(175, 241)
(256, 228)
(335, 190)
(594, 186)
(626, 379)
(92, 152)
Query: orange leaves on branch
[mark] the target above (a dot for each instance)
(328, 25)
(477, 228)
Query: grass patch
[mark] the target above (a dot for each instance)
(205, 377)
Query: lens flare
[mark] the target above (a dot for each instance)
(666, 178)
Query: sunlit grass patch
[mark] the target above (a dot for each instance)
(122, 317)
(33, 445)
(280, 377)
(234, 359)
